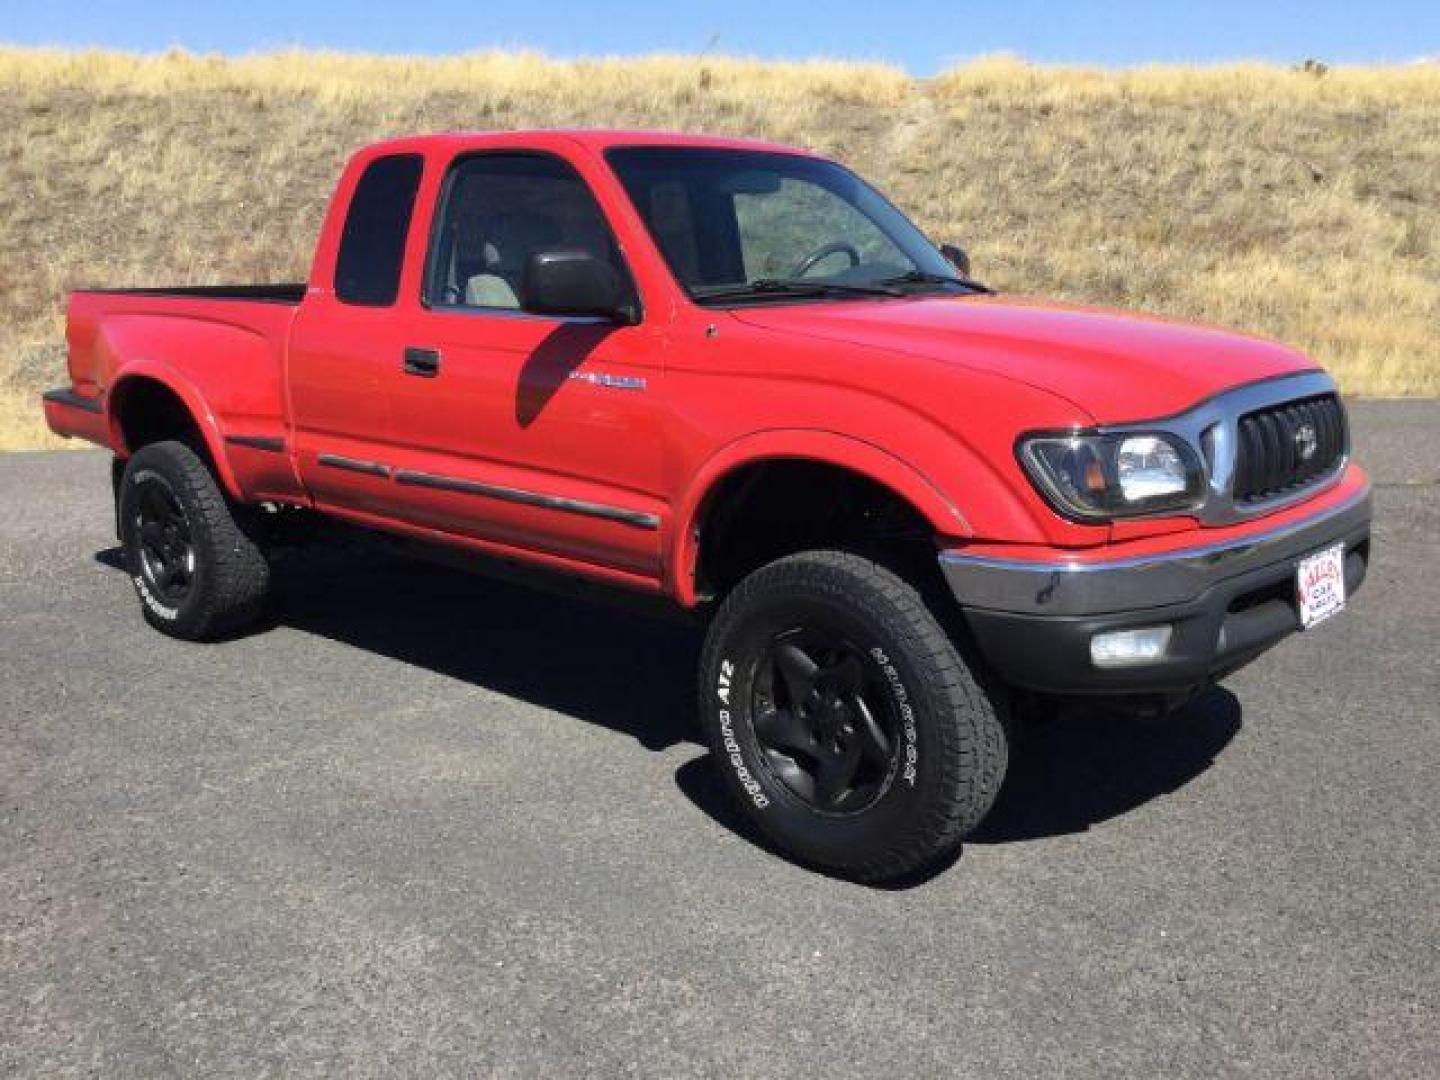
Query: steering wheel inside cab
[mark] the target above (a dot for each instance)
(820, 254)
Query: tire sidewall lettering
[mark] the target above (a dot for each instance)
(148, 598)
(724, 692)
(909, 728)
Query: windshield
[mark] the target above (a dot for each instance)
(729, 220)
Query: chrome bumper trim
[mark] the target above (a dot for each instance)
(1146, 581)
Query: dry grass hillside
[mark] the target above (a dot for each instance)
(1298, 204)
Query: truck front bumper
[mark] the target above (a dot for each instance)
(1225, 602)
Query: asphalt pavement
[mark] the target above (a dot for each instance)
(434, 824)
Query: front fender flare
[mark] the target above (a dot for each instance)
(826, 447)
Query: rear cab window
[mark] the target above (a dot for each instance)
(372, 244)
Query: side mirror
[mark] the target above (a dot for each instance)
(957, 258)
(571, 281)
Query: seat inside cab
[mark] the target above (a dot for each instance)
(502, 208)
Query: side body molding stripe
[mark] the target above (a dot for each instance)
(257, 442)
(529, 498)
(369, 468)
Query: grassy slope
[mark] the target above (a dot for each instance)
(1298, 206)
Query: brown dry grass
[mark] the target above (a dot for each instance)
(1299, 206)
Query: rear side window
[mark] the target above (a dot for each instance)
(372, 246)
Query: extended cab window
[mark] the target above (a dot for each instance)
(500, 209)
(372, 246)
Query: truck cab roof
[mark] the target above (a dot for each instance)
(595, 139)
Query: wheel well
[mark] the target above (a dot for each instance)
(149, 411)
(770, 509)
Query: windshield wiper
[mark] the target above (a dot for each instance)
(925, 277)
(793, 287)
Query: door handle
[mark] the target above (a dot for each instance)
(422, 362)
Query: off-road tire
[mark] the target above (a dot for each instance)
(229, 573)
(958, 750)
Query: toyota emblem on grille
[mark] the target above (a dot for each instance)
(1306, 441)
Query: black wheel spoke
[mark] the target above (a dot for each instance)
(837, 771)
(873, 743)
(843, 678)
(792, 774)
(782, 729)
(797, 671)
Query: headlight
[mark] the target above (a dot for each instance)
(1112, 476)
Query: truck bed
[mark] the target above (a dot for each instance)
(223, 344)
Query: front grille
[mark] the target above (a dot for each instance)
(1270, 447)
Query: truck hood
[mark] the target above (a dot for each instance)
(1116, 366)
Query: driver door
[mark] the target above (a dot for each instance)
(534, 432)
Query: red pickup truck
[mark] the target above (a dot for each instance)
(734, 376)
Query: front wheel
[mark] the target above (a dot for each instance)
(196, 565)
(844, 720)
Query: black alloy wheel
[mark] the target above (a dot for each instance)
(194, 556)
(827, 728)
(167, 547)
(844, 720)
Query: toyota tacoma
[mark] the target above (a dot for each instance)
(731, 375)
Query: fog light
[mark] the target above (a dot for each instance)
(1127, 648)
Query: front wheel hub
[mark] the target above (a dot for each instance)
(826, 724)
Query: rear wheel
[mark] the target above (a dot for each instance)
(196, 567)
(845, 721)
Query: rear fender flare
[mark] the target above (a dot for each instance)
(170, 378)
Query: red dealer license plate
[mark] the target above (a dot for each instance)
(1320, 585)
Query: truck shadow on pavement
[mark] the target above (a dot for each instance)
(1074, 771)
(1066, 775)
(618, 668)
(634, 674)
